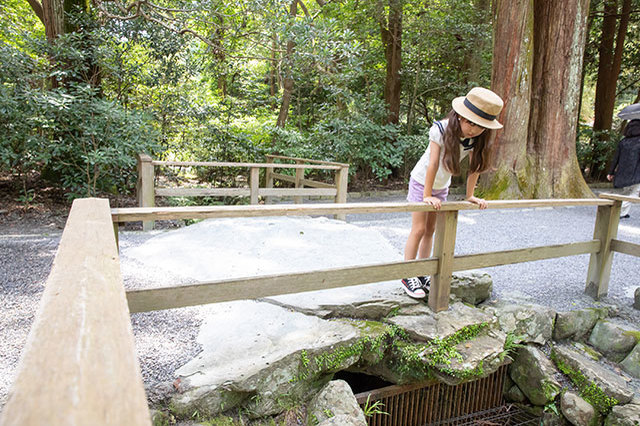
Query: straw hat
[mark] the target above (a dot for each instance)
(480, 106)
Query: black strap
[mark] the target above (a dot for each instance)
(478, 111)
(468, 144)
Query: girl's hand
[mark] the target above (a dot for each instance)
(609, 178)
(435, 202)
(481, 202)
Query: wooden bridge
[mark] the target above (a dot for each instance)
(79, 364)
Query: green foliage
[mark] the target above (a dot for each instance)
(589, 390)
(72, 134)
(372, 408)
(595, 149)
(415, 359)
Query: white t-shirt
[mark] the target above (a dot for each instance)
(443, 177)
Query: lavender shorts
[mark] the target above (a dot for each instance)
(416, 190)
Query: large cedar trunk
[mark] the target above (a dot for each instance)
(391, 33)
(540, 44)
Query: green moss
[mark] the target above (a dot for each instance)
(499, 184)
(588, 390)
(633, 333)
(414, 360)
(377, 339)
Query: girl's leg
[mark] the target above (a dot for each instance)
(418, 227)
(427, 239)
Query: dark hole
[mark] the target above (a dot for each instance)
(361, 382)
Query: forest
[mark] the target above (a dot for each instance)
(86, 85)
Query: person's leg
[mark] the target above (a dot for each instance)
(631, 190)
(418, 226)
(427, 237)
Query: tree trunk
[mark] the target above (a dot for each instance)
(287, 86)
(53, 14)
(391, 33)
(543, 42)
(609, 63)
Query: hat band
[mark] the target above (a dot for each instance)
(478, 111)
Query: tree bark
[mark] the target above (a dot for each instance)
(391, 33)
(609, 63)
(53, 18)
(543, 42)
(287, 85)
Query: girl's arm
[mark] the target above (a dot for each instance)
(432, 169)
(472, 179)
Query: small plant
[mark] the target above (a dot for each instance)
(552, 408)
(373, 408)
(327, 412)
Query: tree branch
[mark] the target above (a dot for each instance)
(37, 9)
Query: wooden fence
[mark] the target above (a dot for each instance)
(439, 266)
(146, 190)
(79, 364)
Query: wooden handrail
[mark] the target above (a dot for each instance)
(131, 214)
(617, 197)
(79, 365)
(306, 160)
(232, 164)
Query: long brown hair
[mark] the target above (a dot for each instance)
(481, 157)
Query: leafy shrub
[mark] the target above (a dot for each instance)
(595, 150)
(358, 140)
(82, 141)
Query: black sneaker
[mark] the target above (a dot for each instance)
(426, 283)
(413, 287)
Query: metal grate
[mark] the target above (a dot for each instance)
(436, 403)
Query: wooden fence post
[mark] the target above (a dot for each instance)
(606, 229)
(145, 188)
(268, 179)
(254, 184)
(443, 248)
(342, 181)
(299, 176)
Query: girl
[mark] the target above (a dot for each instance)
(465, 131)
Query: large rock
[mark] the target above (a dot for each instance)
(577, 325)
(335, 400)
(528, 323)
(534, 375)
(636, 298)
(425, 325)
(615, 341)
(631, 364)
(255, 353)
(376, 301)
(471, 286)
(578, 411)
(600, 386)
(369, 301)
(624, 415)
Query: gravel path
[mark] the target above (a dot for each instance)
(26, 257)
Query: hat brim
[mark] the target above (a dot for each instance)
(459, 107)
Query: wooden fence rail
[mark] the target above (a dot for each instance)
(440, 266)
(79, 365)
(146, 190)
